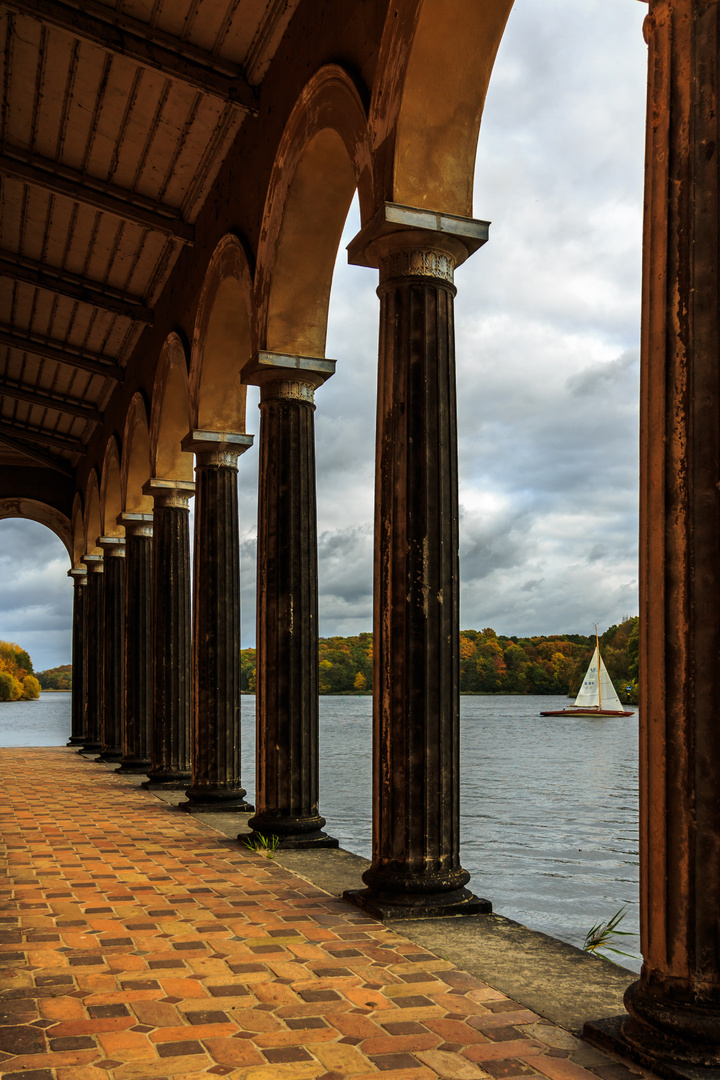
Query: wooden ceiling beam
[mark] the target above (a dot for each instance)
(109, 198)
(72, 407)
(49, 349)
(55, 439)
(149, 48)
(43, 457)
(74, 287)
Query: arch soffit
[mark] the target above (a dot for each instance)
(223, 340)
(111, 490)
(33, 510)
(136, 458)
(322, 158)
(170, 418)
(93, 519)
(436, 58)
(78, 530)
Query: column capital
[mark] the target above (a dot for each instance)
(113, 546)
(170, 492)
(136, 524)
(285, 375)
(78, 574)
(221, 448)
(94, 563)
(404, 241)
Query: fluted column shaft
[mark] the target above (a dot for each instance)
(79, 638)
(94, 653)
(416, 867)
(676, 1003)
(216, 782)
(287, 775)
(113, 648)
(137, 732)
(171, 640)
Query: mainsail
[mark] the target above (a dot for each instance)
(597, 690)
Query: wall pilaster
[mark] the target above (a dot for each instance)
(79, 643)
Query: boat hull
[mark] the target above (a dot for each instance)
(589, 711)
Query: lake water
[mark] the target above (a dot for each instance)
(548, 805)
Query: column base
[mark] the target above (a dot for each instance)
(216, 802)
(134, 766)
(315, 839)
(90, 748)
(670, 1059)
(415, 906)
(111, 756)
(76, 740)
(167, 782)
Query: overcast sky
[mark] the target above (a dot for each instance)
(547, 327)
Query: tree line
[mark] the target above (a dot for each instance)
(56, 678)
(17, 678)
(490, 663)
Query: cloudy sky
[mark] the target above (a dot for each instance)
(547, 323)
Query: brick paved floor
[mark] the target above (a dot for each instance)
(139, 943)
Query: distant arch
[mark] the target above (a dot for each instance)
(111, 491)
(222, 341)
(32, 510)
(170, 418)
(435, 62)
(321, 160)
(136, 468)
(93, 517)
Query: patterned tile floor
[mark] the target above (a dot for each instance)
(138, 943)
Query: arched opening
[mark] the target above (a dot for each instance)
(111, 492)
(136, 459)
(170, 419)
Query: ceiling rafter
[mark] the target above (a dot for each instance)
(72, 407)
(149, 48)
(43, 457)
(55, 439)
(109, 198)
(74, 287)
(50, 349)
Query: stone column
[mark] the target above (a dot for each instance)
(113, 647)
(137, 732)
(171, 652)
(416, 869)
(216, 783)
(287, 775)
(675, 1006)
(79, 638)
(94, 654)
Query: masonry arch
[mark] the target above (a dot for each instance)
(170, 418)
(33, 510)
(435, 63)
(78, 531)
(136, 459)
(93, 518)
(111, 491)
(321, 160)
(222, 341)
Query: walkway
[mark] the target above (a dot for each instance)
(139, 943)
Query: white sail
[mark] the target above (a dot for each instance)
(597, 688)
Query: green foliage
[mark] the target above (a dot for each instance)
(57, 678)
(30, 688)
(602, 934)
(263, 845)
(489, 663)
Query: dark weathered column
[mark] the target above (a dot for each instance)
(79, 637)
(113, 647)
(287, 775)
(94, 654)
(675, 1006)
(416, 869)
(216, 783)
(171, 651)
(137, 732)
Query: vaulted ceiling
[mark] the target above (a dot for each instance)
(116, 117)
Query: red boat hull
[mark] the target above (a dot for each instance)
(586, 712)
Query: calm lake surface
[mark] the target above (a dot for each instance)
(548, 805)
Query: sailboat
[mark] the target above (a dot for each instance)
(597, 696)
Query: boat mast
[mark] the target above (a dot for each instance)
(599, 677)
